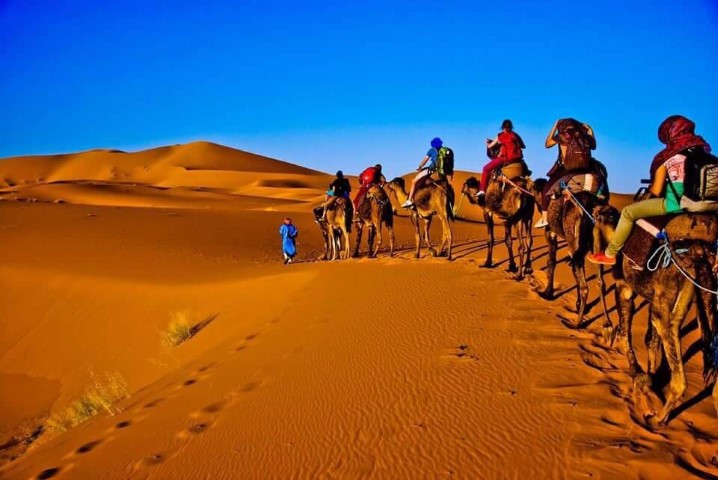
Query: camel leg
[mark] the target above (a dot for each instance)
(654, 347)
(347, 243)
(550, 264)
(579, 274)
(509, 241)
(391, 241)
(370, 240)
(417, 235)
(379, 239)
(668, 325)
(326, 245)
(521, 237)
(528, 267)
(706, 318)
(489, 220)
(447, 236)
(360, 231)
(427, 227)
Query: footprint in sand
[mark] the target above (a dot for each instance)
(123, 424)
(48, 473)
(88, 447)
(461, 352)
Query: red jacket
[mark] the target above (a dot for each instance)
(511, 145)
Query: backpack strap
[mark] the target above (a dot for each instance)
(673, 189)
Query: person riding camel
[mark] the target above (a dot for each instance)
(575, 141)
(511, 145)
(426, 168)
(370, 176)
(339, 187)
(678, 134)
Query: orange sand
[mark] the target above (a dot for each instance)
(385, 368)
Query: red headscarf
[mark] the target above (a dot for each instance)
(677, 133)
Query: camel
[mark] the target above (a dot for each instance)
(435, 197)
(375, 212)
(335, 227)
(568, 218)
(516, 209)
(692, 238)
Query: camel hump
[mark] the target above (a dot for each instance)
(701, 227)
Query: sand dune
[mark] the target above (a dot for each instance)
(385, 368)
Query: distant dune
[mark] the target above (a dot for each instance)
(148, 329)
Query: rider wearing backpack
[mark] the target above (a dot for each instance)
(575, 141)
(667, 176)
(426, 168)
(511, 151)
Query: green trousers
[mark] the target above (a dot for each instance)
(652, 207)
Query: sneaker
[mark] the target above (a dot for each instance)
(601, 258)
(287, 260)
(541, 223)
(407, 204)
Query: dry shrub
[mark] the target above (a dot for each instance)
(179, 330)
(101, 395)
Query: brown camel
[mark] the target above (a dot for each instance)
(335, 227)
(692, 239)
(516, 209)
(434, 197)
(568, 218)
(375, 212)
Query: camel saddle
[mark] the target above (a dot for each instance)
(512, 171)
(679, 227)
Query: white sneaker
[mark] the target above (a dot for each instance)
(541, 223)
(407, 204)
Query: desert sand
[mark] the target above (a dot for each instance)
(360, 368)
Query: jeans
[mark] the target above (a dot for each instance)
(652, 207)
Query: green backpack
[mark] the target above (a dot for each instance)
(445, 162)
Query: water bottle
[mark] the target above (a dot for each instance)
(658, 234)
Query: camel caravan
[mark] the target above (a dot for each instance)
(662, 247)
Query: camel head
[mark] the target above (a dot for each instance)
(397, 182)
(606, 218)
(470, 188)
(537, 189)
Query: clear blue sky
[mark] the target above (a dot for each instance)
(347, 84)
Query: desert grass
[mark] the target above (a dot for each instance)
(178, 331)
(103, 392)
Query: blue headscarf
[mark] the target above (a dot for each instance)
(437, 143)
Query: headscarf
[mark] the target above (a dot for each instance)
(678, 134)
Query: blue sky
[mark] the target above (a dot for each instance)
(347, 84)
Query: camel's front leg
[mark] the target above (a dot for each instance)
(668, 325)
(579, 274)
(392, 240)
(378, 240)
(360, 231)
(347, 244)
(528, 267)
(427, 227)
(489, 220)
(508, 240)
(552, 241)
(417, 235)
(447, 237)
